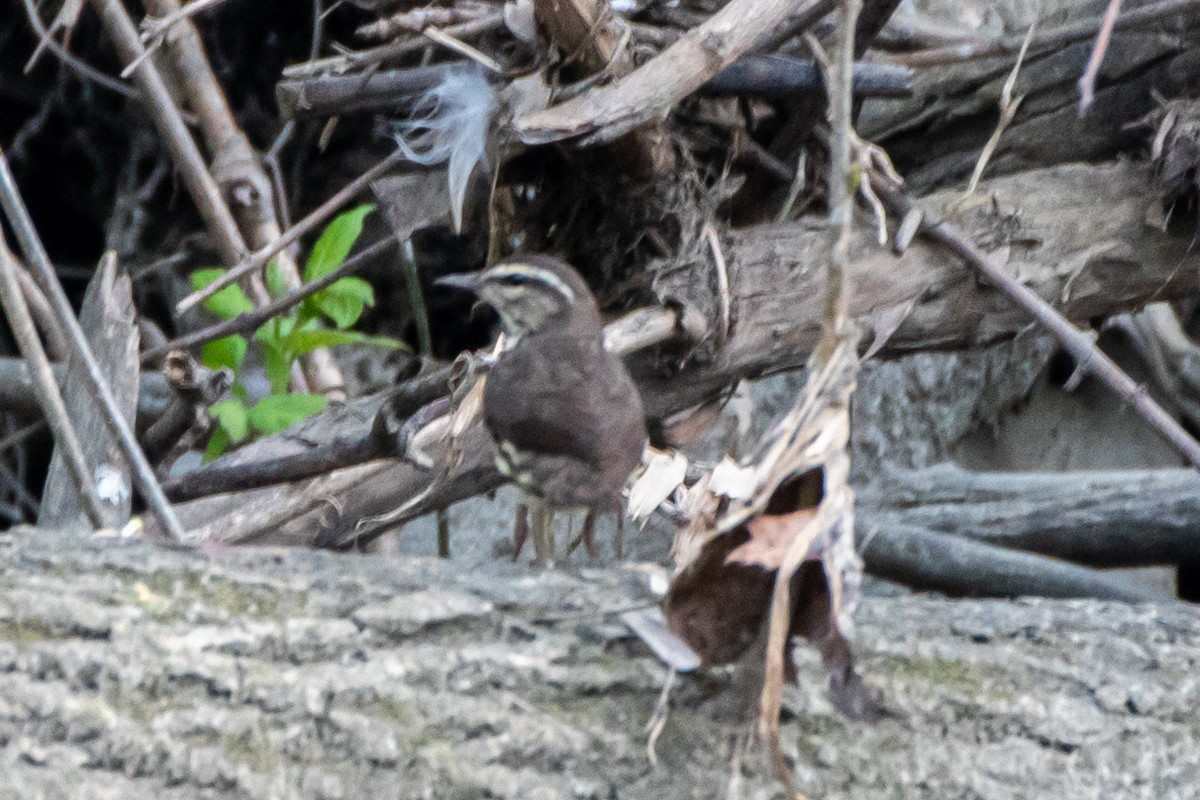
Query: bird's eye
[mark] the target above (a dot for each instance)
(516, 279)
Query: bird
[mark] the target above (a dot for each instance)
(564, 414)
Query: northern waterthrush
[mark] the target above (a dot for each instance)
(565, 416)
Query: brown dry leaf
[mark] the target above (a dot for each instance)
(769, 538)
(719, 603)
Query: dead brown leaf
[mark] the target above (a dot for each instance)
(769, 538)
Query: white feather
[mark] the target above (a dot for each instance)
(449, 124)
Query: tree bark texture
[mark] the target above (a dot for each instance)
(146, 672)
(958, 103)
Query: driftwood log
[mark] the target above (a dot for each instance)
(956, 101)
(1075, 234)
(108, 317)
(1105, 519)
(146, 672)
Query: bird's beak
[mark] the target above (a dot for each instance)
(467, 281)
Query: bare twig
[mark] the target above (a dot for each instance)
(187, 157)
(39, 262)
(249, 322)
(52, 332)
(260, 258)
(256, 474)
(1008, 110)
(391, 51)
(21, 434)
(722, 269)
(1089, 357)
(154, 30)
(1087, 81)
(415, 20)
(450, 42)
(48, 394)
(83, 70)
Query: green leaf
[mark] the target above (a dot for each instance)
(301, 342)
(352, 287)
(228, 303)
(342, 311)
(335, 242)
(273, 332)
(278, 412)
(276, 285)
(218, 443)
(228, 351)
(233, 417)
(343, 302)
(279, 366)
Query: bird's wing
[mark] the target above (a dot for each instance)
(544, 405)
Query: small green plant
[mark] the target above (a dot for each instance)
(287, 337)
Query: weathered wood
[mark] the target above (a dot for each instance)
(1074, 234)
(142, 672)
(928, 560)
(109, 321)
(1104, 519)
(960, 101)
(1079, 240)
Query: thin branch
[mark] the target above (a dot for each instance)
(375, 56)
(52, 332)
(1008, 110)
(462, 48)
(154, 30)
(257, 474)
(184, 153)
(1087, 81)
(83, 70)
(251, 321)
(39, 262)
(607, 112)
(1088, 356)
(260, 258)
(45, 386)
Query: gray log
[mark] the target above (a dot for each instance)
(925, 559)
(109, 320)
(1103, 519)
(1112, 262)
(141, 672)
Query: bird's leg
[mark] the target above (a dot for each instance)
(520, 528)
(586, 535)
(619, 539)
(541, 530)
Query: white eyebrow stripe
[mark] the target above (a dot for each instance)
(536, 273)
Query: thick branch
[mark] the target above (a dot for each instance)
(653, 89)
(1103, 519)
(925, 298)
(1075, 235)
